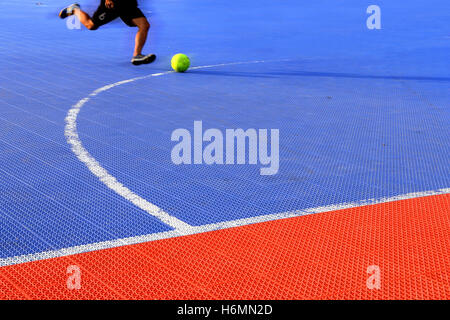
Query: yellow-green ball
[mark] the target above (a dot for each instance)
(180, 62)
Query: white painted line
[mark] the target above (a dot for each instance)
(308, 211)
(181, 227)
(206, 228)
(71, 133)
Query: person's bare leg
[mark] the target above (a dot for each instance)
(84, 18)
(141, 35)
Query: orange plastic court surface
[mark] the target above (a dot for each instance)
(320, 256)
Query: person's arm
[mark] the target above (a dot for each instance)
(109, 4)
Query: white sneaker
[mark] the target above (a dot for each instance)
(68, 11)
(141, 59)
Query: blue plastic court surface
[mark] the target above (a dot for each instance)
(362, 114)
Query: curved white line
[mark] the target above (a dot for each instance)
(181, 228)
(71, 133)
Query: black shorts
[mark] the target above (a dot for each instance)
(127, 10)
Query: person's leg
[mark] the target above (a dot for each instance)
(134, 17)
(84, 18)
(141, 35)
(102, 15)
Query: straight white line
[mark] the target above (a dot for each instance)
(206, 228)
(181, 228)
(308, 211)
